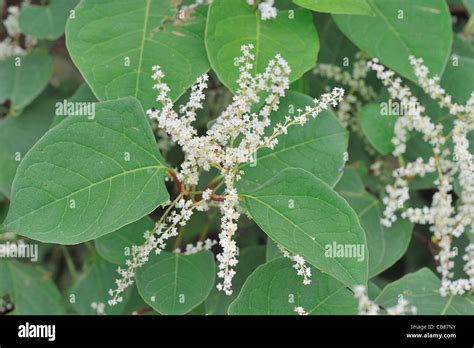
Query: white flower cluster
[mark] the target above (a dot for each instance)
(300, 311)
(155, 240)
(218, 148)
(5, 306)
(300, 265)
(359, 91)
(10, 46)
(266, 8)
(367, 307)
(99, 307)
(402, 307)
(446, 221)
(200, 246)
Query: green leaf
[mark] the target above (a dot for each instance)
(390, 35)
(469, 5)
(30, 288)
(378, 127)
(116, 247)
(106, 34)
(421, 289)
(272, 251)
(318, 147)
(46, 22)
(386, 245)
(19, 134)
(173, 283)
(3, 212)
(24, 78)
(350, 7)
(93, 286)
(233, 23)
(373, 290)
(275, 288)
(83, 94)
(249, 259)
(458, 78)
(335, 47)
(89, 177)
(303, 214)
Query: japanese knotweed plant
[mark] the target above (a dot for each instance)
(447, 222)
(235, 157)
(231, 142)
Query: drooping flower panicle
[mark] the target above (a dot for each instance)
(218, 148)
(446, 220)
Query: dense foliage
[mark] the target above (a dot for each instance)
(237, 157)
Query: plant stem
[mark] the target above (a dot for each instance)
(70, 263)
(401, 160)
(469, 27)
(179, 238)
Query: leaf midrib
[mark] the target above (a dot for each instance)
(142, 46)
(304, 232)
(157, 167)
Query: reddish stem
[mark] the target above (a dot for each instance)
(142, 311)
(176, 180)
(217, 198)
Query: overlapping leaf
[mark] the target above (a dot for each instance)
(30, 288)
(173, 283)
(115, 44)
(24, 78)
(116, 247)
(233, 23)
(350, 7)
(89, 176)
(421, 289)
(46, 22)
(275, 288)
(93, 287)
(400, 29)
(19, 134)
(386, 245)
(302, 213)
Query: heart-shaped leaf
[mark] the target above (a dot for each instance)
(389, 35)
(24, 78)
(302, 213)
(115, 44)
(46, 22)
(233, 23)
(89, 176)
(275, 288)
(172, 283)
